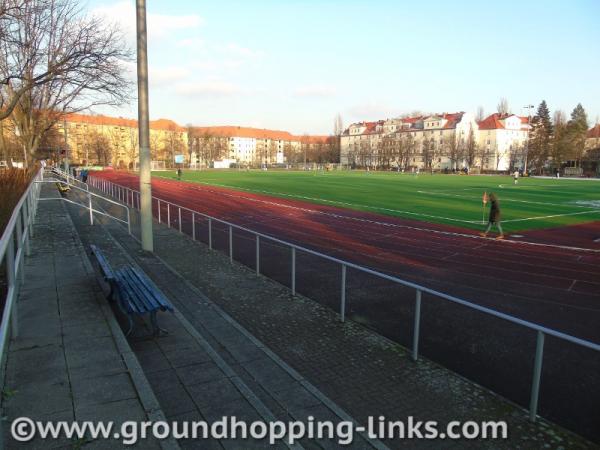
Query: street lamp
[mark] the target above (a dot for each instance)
(528, 108)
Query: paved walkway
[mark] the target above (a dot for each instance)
(363, 373)
(70, 360)
(208, 366)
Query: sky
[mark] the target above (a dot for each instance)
(294, 65)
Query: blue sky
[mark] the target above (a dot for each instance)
(293, 65)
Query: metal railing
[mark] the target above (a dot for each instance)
(132, 198)
(14, 245)
(70, 182)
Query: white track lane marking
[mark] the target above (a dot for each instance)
(393, 225)
(335, 202)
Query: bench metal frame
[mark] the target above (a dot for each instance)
(130, 285)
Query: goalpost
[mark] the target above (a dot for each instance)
(154, 165)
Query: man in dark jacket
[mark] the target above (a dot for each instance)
(495, 217)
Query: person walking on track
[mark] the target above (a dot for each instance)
(495, 217)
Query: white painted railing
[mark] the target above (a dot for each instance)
(14, 245)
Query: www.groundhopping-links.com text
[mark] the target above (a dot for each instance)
(25, 429)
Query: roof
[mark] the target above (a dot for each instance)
(257, 133)
(494, 121)
(451, 120)
(313, 139)
(594, 132)
(160, 124)
(244, 132)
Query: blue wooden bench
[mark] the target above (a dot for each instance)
(135, 293)
(63, 188)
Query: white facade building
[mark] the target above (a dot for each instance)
(503, 141)
(429, 141)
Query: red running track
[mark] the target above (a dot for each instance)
(552, 279)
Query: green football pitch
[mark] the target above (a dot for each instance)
(533, 203)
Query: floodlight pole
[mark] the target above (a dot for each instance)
(144, 129)
(529, 108)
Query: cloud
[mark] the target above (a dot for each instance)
(165, 24)
(192, 42)
(315, 92)
(161, 76)
(243, 52)
(371, 110)
(159, 25)
(208, 89)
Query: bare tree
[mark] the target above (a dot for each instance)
(472, 150)
(338, 125)
(172, 144)
(502, 106)
(100, 146)
(451, 149)
(480, 114)
(190, 131)
(81, 56)
(132, 146)
(14, 78)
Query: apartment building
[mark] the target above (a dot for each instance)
(248, 146)
(592, 140)
(503, 141)
(98, 139)
(438, 142)
(420, 142)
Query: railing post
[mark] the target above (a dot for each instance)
(168, 214)
(31, 210)
(415, 346)
(12, 282)
(19, 228)
(179, 218)
(343, 303)
(193, 226)
(158, 200)
(210, 233)
(26, 224)
(293, 270)
(91, 210)
(230, 243)
(257, 254)
(537, 374)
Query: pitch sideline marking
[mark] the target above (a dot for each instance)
(410, 212)
(336, 202)
(507, 200)
(375, 222)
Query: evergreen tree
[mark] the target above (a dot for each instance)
(544, 114)
(540, 138)
(576, 133)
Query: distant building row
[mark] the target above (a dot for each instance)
(438, 142)
(110, 140)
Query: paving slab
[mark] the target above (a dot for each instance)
(65, 364)
(364, 373)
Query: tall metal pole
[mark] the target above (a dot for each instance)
(144, 129)
(529, 108)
